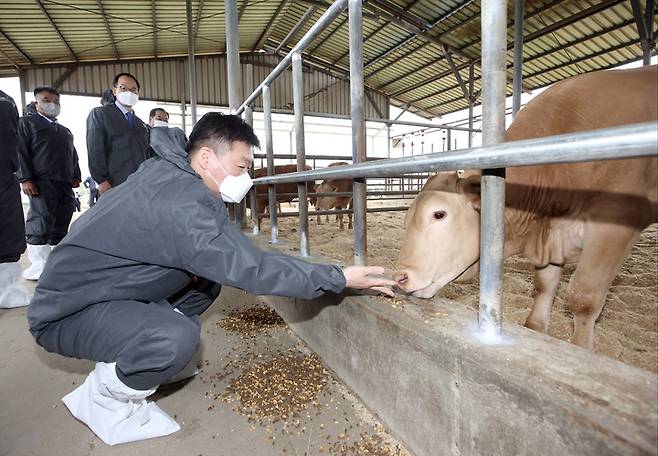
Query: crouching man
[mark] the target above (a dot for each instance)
(126, 285)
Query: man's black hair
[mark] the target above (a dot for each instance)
(155, 110)
(45, 89)
(115, 82)
(216, 129)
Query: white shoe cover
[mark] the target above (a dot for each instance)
(11, 293)
(115, 412)
(38, 254)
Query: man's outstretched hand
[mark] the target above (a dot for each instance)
(364, 277)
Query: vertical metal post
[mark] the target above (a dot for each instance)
(269, 151)
(471, 101)
(183, 101)
(21, 85)
(191, 61)
(492, 222)
(651, 39)
(449, 135)
(298, 106)
(233, 55)
(358, 129)
(518, 56)
(249, 118)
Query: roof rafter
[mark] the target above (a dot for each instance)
(15, 46)
(268, 28)
(197, 21)
(155, 30)
(532, 36)
(108, 29)
(59, 32)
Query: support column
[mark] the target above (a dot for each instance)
(269, 151)
(492, 223)
(191, 61)
(518, 56)
(471, 102)
(298, 106)
(22, 87)
(358, 129)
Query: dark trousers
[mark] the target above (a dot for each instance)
(50, 213)
(93, 196)
(150, 342)
(12, 225)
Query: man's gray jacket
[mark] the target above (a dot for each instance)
(146, 239)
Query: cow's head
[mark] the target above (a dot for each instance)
(326, 203)
(442, 235)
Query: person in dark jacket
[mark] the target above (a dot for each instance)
(90, 184)
(12, 226)
(159, 118)
(127, 284)
(117, 140)
(48, 173)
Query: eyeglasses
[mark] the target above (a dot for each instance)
(123, 88)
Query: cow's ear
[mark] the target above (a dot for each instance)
(470, 187)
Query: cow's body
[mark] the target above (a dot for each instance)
(585, 213)
(262, 196)
(327, 203)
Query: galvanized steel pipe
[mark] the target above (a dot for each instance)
(269, 150)
(358, 130)
(327, 18)
(492, 221)
(298, 106)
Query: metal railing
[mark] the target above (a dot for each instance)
(615, 143)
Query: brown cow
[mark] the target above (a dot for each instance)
(327, 203)
(262, 199)
(585, 213)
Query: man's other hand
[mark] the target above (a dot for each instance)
(104, 186)
(30, 188)
(364, 277)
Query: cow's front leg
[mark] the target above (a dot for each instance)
(604, 250)
(547, 280)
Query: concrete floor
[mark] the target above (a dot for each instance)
(34, 421)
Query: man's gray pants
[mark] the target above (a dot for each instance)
(150, 342)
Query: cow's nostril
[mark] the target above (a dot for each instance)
(401, 278)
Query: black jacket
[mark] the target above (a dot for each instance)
(8, 135)
(12, 226)
(145, 239)
(115, 150)
(46, 150)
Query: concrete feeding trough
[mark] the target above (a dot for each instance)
(442, 391)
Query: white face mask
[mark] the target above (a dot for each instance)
(233, 188)
(160, 123)
(51, 110)
(127, 98)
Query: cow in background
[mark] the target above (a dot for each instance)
(262, 198)
(326, 203)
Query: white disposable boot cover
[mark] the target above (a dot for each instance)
(12, 294)
(115, 412)
(38, 254)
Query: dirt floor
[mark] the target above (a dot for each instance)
(627, 329)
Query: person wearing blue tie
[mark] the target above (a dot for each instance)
(117, 140)
(48, 172)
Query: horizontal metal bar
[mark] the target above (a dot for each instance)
(639, 140)
(327, 18)
(341, 194)
(342, 211)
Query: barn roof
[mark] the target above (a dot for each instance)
(408, 44)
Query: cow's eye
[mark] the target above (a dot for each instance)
(439, 215)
